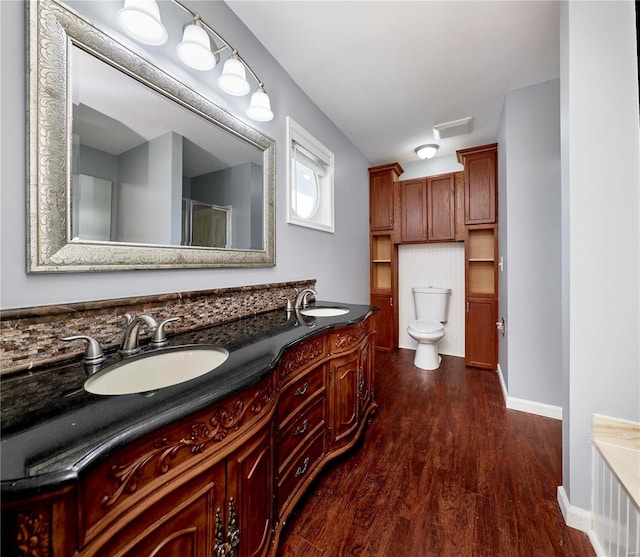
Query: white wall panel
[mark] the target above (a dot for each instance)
(439, 265)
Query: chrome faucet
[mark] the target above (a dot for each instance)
(301, 298)
(131, 336)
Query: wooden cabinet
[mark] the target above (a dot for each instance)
(220, 482)
(381, 196)
(428, 209)
(301, 433)
(480, 178)
(249, 496)
(183, 527)
(413, 204)
(384, 201)
(385, 322)
(441, 208)
(481, 346)
(351, 384)
(481, 277)
(345, 377)
(460, 206)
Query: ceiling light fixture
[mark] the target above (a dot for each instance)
(141, 20)
(427, 151)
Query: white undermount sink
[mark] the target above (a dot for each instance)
(324, 311)
(155, 371)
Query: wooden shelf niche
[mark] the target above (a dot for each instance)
(381, 253)
(481, 263)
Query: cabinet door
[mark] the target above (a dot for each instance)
(413, 202)
(384, 322)
(365, 381)
(381, 201)
(481, 346)
(345, 372)
(181, 523)
(480, 187)
(441, 208)
(250, 485)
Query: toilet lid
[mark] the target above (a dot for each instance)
(426, 326)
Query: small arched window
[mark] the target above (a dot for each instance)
(310, 180)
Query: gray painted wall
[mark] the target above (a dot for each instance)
(338, 261)
(530, 183)
(600, 148)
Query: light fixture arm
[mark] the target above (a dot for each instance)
(226, 44)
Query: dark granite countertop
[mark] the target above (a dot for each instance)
(53, 430)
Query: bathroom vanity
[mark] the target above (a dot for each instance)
(212, 466)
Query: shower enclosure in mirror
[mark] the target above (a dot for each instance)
(129, 168)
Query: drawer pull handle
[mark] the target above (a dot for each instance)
(302, 469)
(302, 390)
(301, 429)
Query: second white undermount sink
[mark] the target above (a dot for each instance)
(156, 370)
(324, 311)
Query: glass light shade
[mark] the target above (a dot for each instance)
(141, 20)
(260, 107)
(233, 79)
(195, 48)
(427, 151)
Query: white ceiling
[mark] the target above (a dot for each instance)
(385, 72)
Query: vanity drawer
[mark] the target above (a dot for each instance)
(298, 432)
(301, 468)
(299, 394)
(299, 359)
(349, 338)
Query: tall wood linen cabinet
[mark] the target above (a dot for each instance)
(481, 255)
(460, 206)
(384, 211)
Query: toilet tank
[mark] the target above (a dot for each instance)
(432, 303)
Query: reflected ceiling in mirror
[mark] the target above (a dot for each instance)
(192, 185)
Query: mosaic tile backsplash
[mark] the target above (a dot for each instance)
(31, 336)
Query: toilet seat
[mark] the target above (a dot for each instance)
(425, 326)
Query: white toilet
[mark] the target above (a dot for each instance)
(432, 310)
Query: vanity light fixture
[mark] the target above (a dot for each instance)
(260, 106)
(427, 151)
(233, 79)
(141, 20)
(197, 49)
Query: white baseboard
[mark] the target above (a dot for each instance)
(530, 406)
(533, 407)
(595, 543)
(503, 386)
(576, 517)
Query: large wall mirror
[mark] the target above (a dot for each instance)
(131, 169)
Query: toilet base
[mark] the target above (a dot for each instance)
(427, 357)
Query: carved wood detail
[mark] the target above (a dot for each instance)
(34, 533)
(351, 336)
(224, 420)
(301, 356)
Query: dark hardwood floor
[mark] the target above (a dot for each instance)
(443, 470)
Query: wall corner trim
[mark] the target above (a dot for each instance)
(575, 517)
